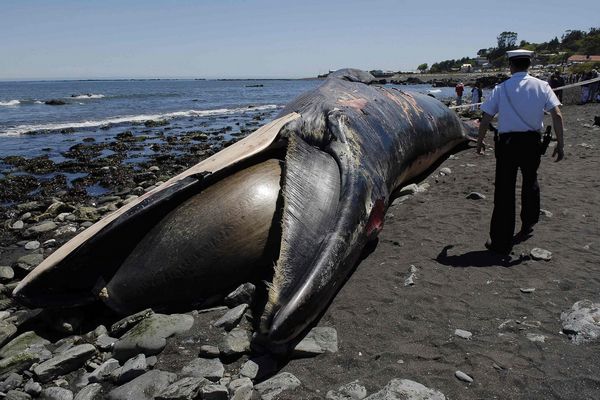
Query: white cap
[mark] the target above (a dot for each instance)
(520, 53)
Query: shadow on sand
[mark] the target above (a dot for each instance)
(481, 258)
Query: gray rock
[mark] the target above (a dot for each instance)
(272, 387)
(90, 392)
(235, 342)
(65, 230)
(187, 388)
(144, 387)
(545, 213)
(123, 325)
(258, 367)
(405, 389)
(463, 334)
(349, 391)
(18, 225)
(214, 392)
(412, 275)
(244, 294)
(541, 254)
(232, 317)
(104, 371)
(6, 274)
(17, 395)
(49, 243)
(445, 171)
(56, 393)
(40, 228)
(132, 368)
(536, 337)
(64, 363)
(580, 323)
(151, 361)
(409, 190)
(150, 335)
(7, 331)
(475, 196)
(319, 340)
(12, 381)
(527, 290)
(86, 214)
(463, 377)
(30, 206)
(33, 388)
(33, 245)
(208, 351)
(241, 389)
(18, 363)
(105, 342)
(211, 369)
(28, 261)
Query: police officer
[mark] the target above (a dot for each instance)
(520, 103)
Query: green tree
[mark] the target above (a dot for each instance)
(507, 40)
(422, 67)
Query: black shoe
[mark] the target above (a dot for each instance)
(495, 249)
(525, 233)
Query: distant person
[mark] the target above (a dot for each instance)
(460, 88)
(585, 88)
(520, 103)
(556, 81)
(476, 95)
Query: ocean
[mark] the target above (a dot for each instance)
(94, 113)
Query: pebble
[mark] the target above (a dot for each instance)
(349, 391)
(241, 389)
(143, 387)
(6, 274)
(235, 342)
(398, 389)
(208, 351)
(211, 369)
(463, 334)
(546, 213)
(105, 342)
(187, 388)
(258, 367)
(17, 395)
(408, 190)
(536, 337)
(150, 335)
(18, 225)
(64, 363)
(40, 228)
(475, 196)
(463, 377)
(49, 243)
(527, 290)
(33, 245)
(412, 275)
(123, 325)
(65, 230)
(244, 294)
(27, 262)
(580, 323)
(90, 392)
(132, 368)
(56, 393)
(104, 371)
(231, 318)
(541, 254)
(318, 340)
(272, 387)
(445, 171)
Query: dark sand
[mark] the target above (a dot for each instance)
(387, 330)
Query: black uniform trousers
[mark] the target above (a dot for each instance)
(514, 151)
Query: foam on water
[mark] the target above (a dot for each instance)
(21, 129)
(88, 96)
(10, 103)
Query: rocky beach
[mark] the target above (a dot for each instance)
(428, 312)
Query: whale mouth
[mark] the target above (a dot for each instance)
(191, 244)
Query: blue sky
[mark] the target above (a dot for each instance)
(274, 39)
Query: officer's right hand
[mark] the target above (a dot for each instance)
(559, 153)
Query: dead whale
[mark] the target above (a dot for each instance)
(299, 198)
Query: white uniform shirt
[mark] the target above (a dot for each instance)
(529, 96)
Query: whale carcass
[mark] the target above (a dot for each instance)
(293, 204)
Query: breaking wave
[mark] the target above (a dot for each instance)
(22, 129)
(87, 96)
(10, 103)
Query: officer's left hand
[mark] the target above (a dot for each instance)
(559, 153)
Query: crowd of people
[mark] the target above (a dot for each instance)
(590, 92)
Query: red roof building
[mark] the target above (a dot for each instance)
(580, 58)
